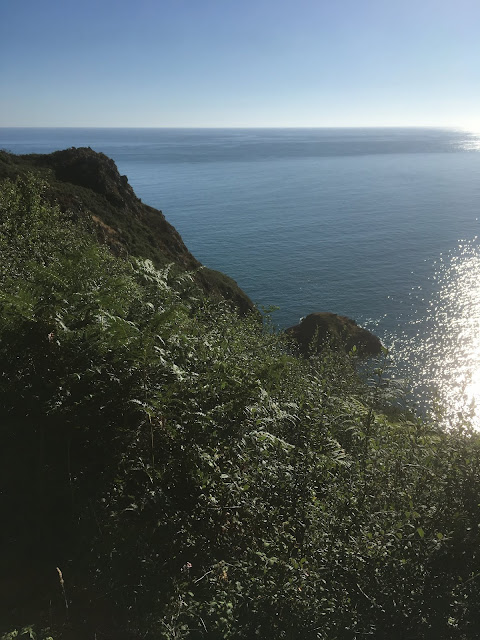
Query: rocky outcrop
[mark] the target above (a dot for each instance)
(87, 168)
(341, 332)
(89, 185)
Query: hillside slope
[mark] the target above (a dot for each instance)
(89, 185)
(169, 470)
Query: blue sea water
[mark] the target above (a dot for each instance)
(377, 224)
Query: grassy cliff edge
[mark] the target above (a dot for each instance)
(87, 184)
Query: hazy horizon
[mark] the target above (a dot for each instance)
(225, 127)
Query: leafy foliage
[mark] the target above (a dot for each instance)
(200, 481)
(88, 185)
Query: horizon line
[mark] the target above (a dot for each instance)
(191, 127)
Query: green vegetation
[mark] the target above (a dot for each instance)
(87, 185)
(191, 478)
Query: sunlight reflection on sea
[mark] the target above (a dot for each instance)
(471, 142)
(442, 342)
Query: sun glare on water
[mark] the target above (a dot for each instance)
(472, 138)
(445, 351)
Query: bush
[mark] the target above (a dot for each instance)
(198, 479)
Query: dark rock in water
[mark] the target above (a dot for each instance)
(342, 332)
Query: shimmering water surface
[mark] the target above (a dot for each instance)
(377, 224)
(438, 338)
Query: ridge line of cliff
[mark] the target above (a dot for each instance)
(88, 184)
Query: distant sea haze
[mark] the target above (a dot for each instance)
(377, 224)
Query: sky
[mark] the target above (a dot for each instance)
(239, 63)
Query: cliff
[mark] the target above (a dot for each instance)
(89, 185)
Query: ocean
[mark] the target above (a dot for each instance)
(377, 224)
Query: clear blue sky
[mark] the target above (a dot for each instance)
(214, 63)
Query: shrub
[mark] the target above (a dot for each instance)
(198, 479)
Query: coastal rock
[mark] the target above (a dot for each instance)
(88, 184)
(342, 332)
